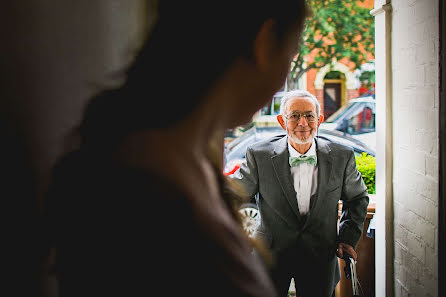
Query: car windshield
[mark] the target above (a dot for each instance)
(338, 113)
(346, 109)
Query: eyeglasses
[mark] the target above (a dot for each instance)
(310, 117)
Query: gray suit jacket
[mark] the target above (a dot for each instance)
(266, 172)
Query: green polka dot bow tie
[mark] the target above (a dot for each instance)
(294, 161)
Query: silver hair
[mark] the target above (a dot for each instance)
(298, 94)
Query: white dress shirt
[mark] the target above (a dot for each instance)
(305, 178)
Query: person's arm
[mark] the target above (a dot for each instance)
(355, 201)
(247, 175)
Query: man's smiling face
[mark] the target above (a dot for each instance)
(304, 129)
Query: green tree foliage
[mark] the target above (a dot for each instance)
(367, 78)
(336, 29)
(366, 166)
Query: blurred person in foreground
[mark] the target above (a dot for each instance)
(142, 207)
(300, 179)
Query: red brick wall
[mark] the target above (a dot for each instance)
(311, 76)
(352, 94)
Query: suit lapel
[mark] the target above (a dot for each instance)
(283, 173)
(324, 171)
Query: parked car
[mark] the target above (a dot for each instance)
(356, 118)
(236, 149)
(235, 154)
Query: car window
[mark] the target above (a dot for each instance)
(369, 114)
(369, 118)
(349, 110)
(361, 120)
(355, 121)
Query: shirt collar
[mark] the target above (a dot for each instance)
(311, 151)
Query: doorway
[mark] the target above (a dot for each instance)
(332, 97)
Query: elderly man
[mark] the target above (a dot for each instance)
(299, 180)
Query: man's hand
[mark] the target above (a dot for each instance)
(345, 248)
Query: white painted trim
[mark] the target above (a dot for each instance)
(349, 76)
(384, 236)
(377, 11)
